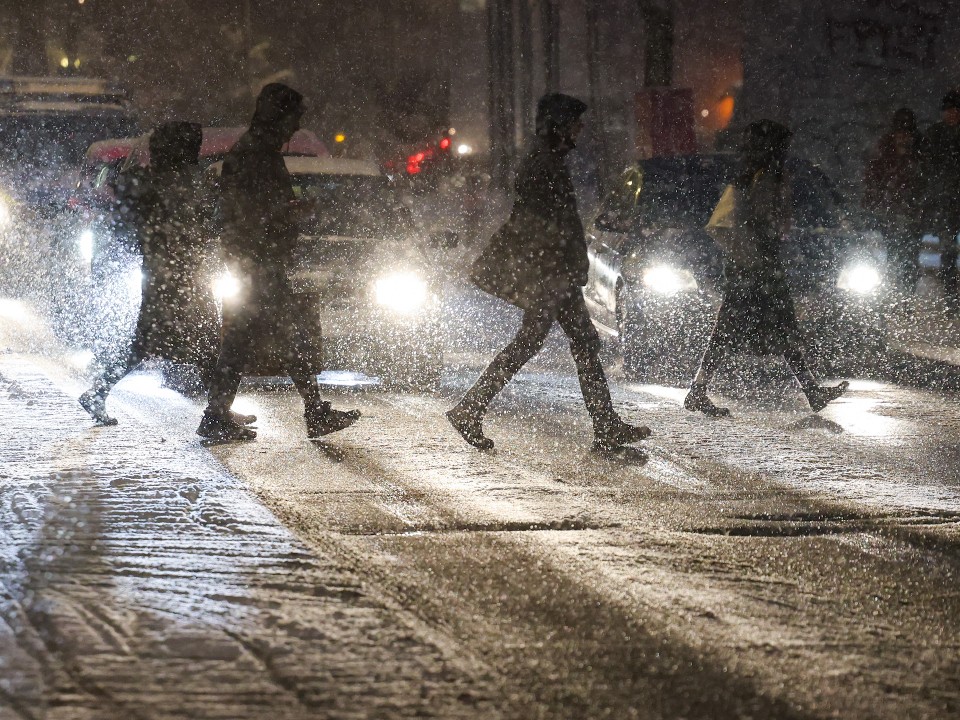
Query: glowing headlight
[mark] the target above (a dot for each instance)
(6, 213)
(85, 245)
(666, 280)
(859, 278)
(402, 292)
(225, 286)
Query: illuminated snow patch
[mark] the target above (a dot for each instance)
(81, 359)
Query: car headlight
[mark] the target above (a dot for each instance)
(225, 286)
(860, 278)
(402, 292)
(668, 280)
(85, 245)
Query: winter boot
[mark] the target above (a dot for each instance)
(819, 396)
(616, 433)
(220, 428)
(470, 427)
(323, 420)
(697, 401)
(241, 419)
(96, 404)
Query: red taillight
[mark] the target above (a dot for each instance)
(445, 144)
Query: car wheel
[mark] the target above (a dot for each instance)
(631, 340)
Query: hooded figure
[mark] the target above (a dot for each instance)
(891, 194)
(268, 323)
(940, 183)
(538, 261)
(169, 210)
(756, 314)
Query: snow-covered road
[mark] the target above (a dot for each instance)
(778, 564)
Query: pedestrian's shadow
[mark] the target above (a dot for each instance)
(816, 422)
(625, 455)
(331, 452)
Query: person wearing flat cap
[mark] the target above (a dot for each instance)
(538, 262)
(267, 324)
(940, 182)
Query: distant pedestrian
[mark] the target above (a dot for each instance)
(268, 321)
(891, 194)
(757, 313)
(167, 211)
(538, 262)
(940, 175)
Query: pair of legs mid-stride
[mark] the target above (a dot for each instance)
(610, 431)
(726, 336)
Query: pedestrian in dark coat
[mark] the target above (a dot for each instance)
(268, 321)
(940, 175)
(538, 261)
(756, 314)
(168, 209)
(891, 194)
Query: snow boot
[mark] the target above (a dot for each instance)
(323, 420)
(819, 396)
(220, 428)
(241, 419)
(470, 427)
(616, 433)
(698, 401)
(96, 404)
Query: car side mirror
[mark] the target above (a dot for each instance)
(444, 240)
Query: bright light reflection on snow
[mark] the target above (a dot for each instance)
(81, 359)
(856, 416)
(146, 384)
(345, 378)
(246, 406)
(14, 310)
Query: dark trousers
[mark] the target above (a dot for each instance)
(726, 337)
(240, 332)
(575, 321)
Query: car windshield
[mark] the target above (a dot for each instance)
(55, 140)
(361, 206)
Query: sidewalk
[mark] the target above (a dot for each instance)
(138, 579)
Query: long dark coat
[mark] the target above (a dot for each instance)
(540, 253)
(757, 314)
(171, 212)
(260, 230)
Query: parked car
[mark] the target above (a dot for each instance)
(655, 272)
(360, 256)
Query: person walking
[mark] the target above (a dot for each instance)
(940, 176)
(891, 195)
(756, 313)
(268, 321)
(538, 262)
(167, 209)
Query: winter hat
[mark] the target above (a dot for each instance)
(556, 112)
(904, 120)
(951, 101)
(276, 101)
(174, 144)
